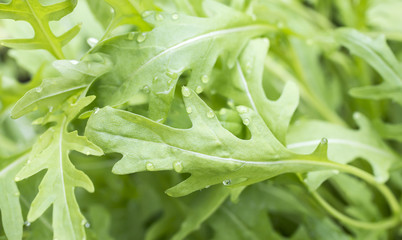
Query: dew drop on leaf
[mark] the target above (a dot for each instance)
(186, 92)
(178, 167)
(87, 225)
(74, 62)
(149, 166)
(189, 110)
(242, 109)
(146, 89)
(27, 223)
(38, 89)
(51, 109)
(175, 16)
(223, 111)
(205, 79)
(324, 141)
(146, 14)
(172, 75)
(210, 114)
(246, 121)
(198, 89)
(227, 182)
(96, 110)
(159, 17)
(141, 37)
(92, 41)
(130, 36)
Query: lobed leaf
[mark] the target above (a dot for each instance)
(39, 16)
(51, 152)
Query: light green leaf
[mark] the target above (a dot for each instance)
(176, 44)
(57, 187)
(75, 77)
(39, 16)
(244, 85)
(345, 145)
(10, 207)
(389, 131)
(208, 151)
(377, 53)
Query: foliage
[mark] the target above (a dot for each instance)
(259, 119)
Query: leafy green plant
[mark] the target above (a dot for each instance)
(206, 119)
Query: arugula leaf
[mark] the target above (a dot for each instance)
(57, 187)
(377, 53)
(345, 145)
(161, 57)
(244, 85)
(208, 151)
(75, 77)
(9, 199)
(39, 16)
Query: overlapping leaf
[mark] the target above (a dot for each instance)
(176, 44)
(377, 53)
(345, 145)
(244, 85)
(74, 77)
(57, 187)
(208, 151)
(10, 207)
(39, 16)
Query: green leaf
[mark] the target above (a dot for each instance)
(10, 207)
(345, 145)
(208, 151)
(244, 85)
(51, 152)
(389, 131)
(377, 53)
(176, 44)
(74, 77)
(39, 16)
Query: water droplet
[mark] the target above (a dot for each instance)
(226, 182)
(38, 89)
(356, 115)
(17, 179)
(51, 109)
(74, 62)
(198, 89)
(17, 194)
(146, 89)
(87, 225)
(324, 141)
(189, 110)
(175, 16)
(156, 78)
(27, 223)
(159, 17)
(141, 37)
(246, 121)
(87, 153)
(185, 91)
(210, 114)
(178, 167)
(223, 111)
(172, 75)
(130, 36)
(149, 166)
(29, 161)
(248, 67)
(92, 41)
(207, 186)
(112, 11)
(96, 110)
(205, 79)
(242, 109)
(146, 14)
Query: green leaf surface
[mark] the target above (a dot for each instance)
(75, 77)
(51, 152)
(176, 44)
(345, 145)
(39, 16)
(10, 207)
(208, 151)
(377, 53)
